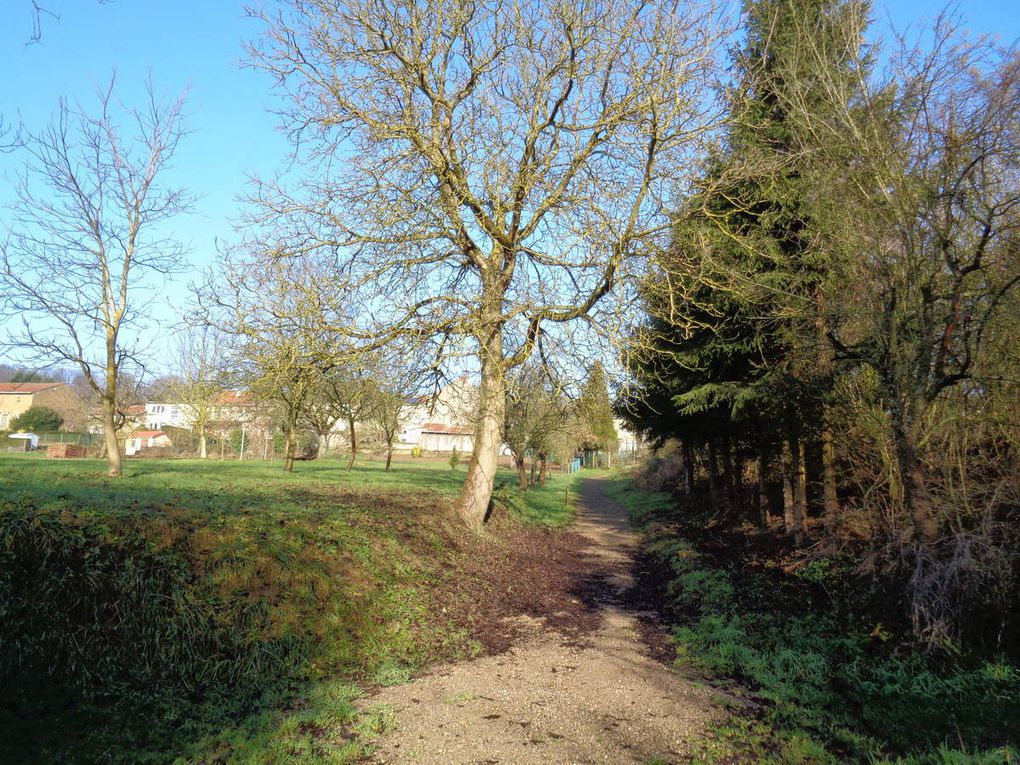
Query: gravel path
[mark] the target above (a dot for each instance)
(552, 698)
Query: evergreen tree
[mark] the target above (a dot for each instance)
(746, 351)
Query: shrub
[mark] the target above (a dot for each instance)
(37, 419)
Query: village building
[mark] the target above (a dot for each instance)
(442, 421)
(141, 440)
(18, 397)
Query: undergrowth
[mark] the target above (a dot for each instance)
(219, 612)
(830, 682)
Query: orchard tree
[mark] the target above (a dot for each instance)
(199, 388)
(85, 241)
(271, 310)
(482, 172)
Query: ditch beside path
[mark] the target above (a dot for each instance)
(558, 698)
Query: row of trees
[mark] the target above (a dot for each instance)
(471, 177)
(834, 314)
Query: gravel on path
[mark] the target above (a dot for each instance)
(552, 698)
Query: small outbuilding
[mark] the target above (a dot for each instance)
(29, 441)
(141, 440)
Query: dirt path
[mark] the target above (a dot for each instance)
(553, 698)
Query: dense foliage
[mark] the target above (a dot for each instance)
(828, 337)
(830, 681)
(38, 419)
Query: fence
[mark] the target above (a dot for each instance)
(79, 439)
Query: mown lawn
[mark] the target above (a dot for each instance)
(218, 611)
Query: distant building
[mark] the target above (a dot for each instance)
(16, 398)
(440, 422)
(162, 414)
(141, 440)
(628, 442)
(437, 437)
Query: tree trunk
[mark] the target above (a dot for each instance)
(473, 505)
(389, 456)
(787, 492)
(534, 472)
(730, 463)
(713, 475)
(798, 487)
(830, 502)
(915, 490)
(543, 467)
(203, 452)
(114, 459)
(288, 460)
(354, 444)
(522, 472)
(688, 466)
(761, 495)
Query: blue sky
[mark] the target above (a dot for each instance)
(197, 44)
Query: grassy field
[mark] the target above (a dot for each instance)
(205, 611)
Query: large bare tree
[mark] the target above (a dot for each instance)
(85, 240)
(483, 171)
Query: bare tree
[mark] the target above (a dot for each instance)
(535, 415)
(937, 177)
(199, 387)
(398, 377)
(485, 170)
(85, 241)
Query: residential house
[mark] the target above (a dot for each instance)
(628, 442)
(16, 398)
(442, 421)
(164, 414)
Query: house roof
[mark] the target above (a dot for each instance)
(439, 427)
(20, 387)
(236, 398)
(147, 434)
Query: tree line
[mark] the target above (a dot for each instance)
(828, 335)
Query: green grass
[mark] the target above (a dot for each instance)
(836, 685)
(221, 611)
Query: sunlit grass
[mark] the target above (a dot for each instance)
(222, 610)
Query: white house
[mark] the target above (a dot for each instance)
(628, 442)
(165, 414)
(440, 422)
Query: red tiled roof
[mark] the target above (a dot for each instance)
(453, 430)
(20, 387)
(235, 398)
(147, 434)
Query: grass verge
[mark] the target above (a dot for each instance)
(829, 683)
(197, 611)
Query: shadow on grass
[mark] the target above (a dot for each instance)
(142, 614)
(203, 609)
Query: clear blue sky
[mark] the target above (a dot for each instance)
(197, 44)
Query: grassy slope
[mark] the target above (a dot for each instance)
(836, 687)
(208, 609)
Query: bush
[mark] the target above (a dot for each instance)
(832, 676)
(37, 419)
